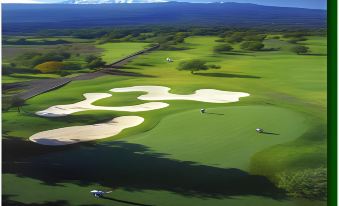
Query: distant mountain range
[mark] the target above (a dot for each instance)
(110, 1)
(33, 17)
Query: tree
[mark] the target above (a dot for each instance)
(72, 66)
(220, 40)
(236, 37)
(38, 58)
(295, 34)
(255, 37)
(193, 65)
(18, 102)
(300, 49)
(223, 48)
(50, 67)
(296, 40)
(90, 58)
(66, 55)
(214, 66)
(96, 63)
(275, 37)
(252, 45)
(64, 73)
(309, 183)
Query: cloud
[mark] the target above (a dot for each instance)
(21, 2)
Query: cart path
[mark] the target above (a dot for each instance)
(37, 87)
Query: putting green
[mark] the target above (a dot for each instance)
(223, 137)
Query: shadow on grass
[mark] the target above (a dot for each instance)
(8, 202)
(29, 76)
(124, 201)
(307, 54)
(238, 53)
(271, 133)
(129, 67)
(270, 49)
(227, 75)
(144, 64)
(118, 72)
(214, 113)
(130, 167)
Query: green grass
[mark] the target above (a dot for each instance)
(115, 51)
(154, 162)
(25, 77)
(316, 45)
(79, 195)
(223, 137)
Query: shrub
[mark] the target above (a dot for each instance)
(32, 58)
(96, 63)
(17, 102)
(220, 40)
(275, 37)
(64, 73)
(90, 58)
(309, 183)
(236, 37)
(72, 66)
(296, 40)
(255, 37)
(66, 55)
(223, 48)
(29, 55)
(193, 65)
(252, 45)
(300, 49)
(295, 34)
(23, 41)
(171, 47)
(50, 67)
(213, 66)
(9, 69)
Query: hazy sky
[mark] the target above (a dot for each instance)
(314, 4)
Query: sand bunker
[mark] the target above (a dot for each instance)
(75, 134)
(85, 105)
(154, 93)
(203, 95)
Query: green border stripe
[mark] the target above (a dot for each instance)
(332, 101)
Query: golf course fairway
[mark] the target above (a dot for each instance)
(177, 155)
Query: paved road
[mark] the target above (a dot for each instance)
(36, 87)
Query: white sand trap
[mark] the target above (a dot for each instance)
(85, 105)
(202, 95)
(75, 134)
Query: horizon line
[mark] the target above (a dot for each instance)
(155, 2)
